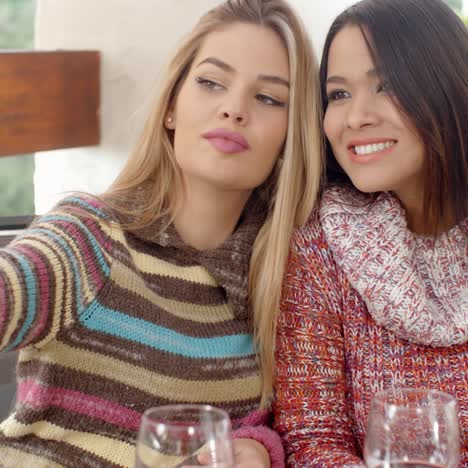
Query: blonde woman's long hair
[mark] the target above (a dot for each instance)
(152, 164)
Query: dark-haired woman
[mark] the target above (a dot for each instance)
(376, 291)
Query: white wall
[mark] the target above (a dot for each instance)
(317, 15)
(135, 38)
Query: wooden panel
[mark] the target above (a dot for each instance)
(48, 100)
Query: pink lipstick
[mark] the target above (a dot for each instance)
(226, 141)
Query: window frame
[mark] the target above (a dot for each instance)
(14, 223)
(11, 226)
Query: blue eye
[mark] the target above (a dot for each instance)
(269, 101)
(209, 84)
(337, 95)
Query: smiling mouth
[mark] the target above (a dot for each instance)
(363, 150)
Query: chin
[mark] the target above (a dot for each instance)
(369, 186)
(235, 182)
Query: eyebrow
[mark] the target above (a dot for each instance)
(274, 79)
(336, 79)
(218, 63)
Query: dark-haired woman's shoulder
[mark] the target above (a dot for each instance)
(310, 251)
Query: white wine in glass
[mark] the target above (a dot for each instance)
(412, 428)
(173, 435)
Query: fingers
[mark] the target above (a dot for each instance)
(208, 465)
(204, 459)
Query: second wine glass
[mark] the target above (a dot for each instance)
(415, 428)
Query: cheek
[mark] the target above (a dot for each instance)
(329, 126)
(271, 135)
(419, 152)
(280, 131)
(280, 141)
(187, 106)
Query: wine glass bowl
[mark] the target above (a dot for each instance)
(415, 428)
(173, 435)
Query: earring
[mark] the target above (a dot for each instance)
(169, 120)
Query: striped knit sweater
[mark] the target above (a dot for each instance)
(367, 305)
(110, 324)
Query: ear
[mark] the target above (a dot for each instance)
(169, 121)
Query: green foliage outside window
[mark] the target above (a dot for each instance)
(17, 24)
(16, 185)
(16, 172)
(457, 5)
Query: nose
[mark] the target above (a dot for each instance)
(237, 117)
(362, 112)
(234, 108)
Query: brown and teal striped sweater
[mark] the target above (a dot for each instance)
(110, 323)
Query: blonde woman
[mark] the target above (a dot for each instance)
(162, 290)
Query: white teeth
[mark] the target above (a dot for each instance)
(368, 149)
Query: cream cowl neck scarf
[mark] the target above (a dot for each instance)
(415, 286)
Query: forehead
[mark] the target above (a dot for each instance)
(349, 53)
(247, 48)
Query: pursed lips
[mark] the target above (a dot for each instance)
(227, 141)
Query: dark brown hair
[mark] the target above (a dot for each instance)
(420, 47)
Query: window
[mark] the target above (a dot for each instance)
(461, 7)
(455, 4)
(16, 172)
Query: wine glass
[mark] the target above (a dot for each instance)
(415, 428)
(173, 436)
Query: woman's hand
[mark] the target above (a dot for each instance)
(248, 453)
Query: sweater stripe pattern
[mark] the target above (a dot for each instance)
(109, 325)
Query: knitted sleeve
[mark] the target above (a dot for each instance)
(255, 426)
(52, 271)
(310, 404)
